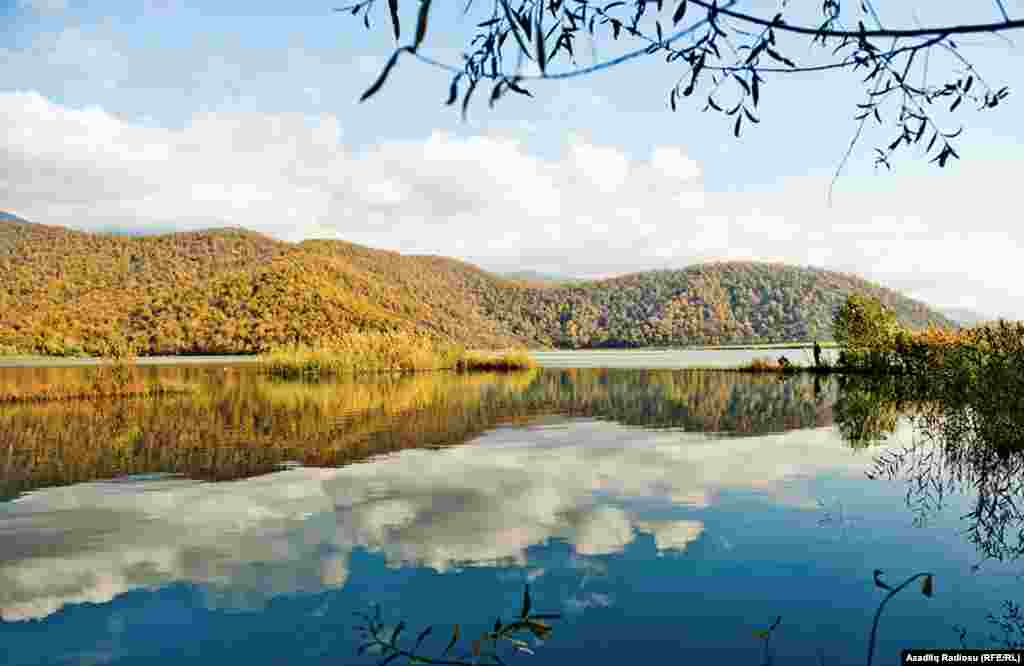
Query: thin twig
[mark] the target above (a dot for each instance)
(626, 57)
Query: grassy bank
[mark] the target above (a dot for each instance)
(23, 361)
(781, 365)
(384, 352)
(872, 342)
(825, 344)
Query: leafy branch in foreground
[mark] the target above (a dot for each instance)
(732, 53)
(927, 588)
(384, 641)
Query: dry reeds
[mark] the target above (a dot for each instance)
(386, 352)
(495, 361)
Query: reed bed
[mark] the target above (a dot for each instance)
(385, 352)
(495, 361)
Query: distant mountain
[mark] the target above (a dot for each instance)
(965, 317)
(237, 291)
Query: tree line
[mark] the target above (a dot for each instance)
(232, 291)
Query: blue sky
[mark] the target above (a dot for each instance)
(160, 115)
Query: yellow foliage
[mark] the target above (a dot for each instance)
(230, 291)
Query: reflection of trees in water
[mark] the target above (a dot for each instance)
(965, 442)
(1010, 624)
(698, 401)
(237, 424)
(1006, 629)
(968, 427)
(867, 409)
(983, 455)
(934, 471)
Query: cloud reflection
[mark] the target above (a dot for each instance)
(247, 541)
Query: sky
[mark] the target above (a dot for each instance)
(164, 115)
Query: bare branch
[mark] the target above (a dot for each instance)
(868, 34)
(626, 57)
(735, 60)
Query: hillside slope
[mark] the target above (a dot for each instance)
(713, 303)
(221, 291)
(237, 291)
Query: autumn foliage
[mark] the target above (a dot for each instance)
(231, 291)
(235, 423)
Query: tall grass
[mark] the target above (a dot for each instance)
(490, 361)
(385, 352)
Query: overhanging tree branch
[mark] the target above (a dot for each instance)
(1000, 26)
(710, 47)
(583, 71)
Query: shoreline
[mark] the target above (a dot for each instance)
(90, 361)
(30, 361)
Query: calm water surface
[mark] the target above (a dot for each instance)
(668, 512)
(669, 358)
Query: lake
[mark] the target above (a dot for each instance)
(669, 513)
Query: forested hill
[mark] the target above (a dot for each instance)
(237, 291)
(224, 291)
(711, 303)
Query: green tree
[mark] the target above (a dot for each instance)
(867, 331)
(863, 323)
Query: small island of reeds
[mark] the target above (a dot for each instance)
(386, 352)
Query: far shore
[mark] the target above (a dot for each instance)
(75, 361)
(764, 347)
(30, 361)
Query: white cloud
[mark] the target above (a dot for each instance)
(603, 531)
(671, 161)
(606, 168)
(672, 534)
(590, 209)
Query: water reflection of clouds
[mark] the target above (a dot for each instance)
(672, 534)
(247, 541)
